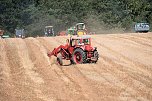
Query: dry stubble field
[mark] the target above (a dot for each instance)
(123, 72)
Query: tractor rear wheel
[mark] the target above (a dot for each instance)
(59, 60)
(79, 56)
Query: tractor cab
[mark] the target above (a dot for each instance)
(80, 26)
(48, 31)
(79, 41)
(80, 29)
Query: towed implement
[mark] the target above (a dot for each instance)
(78, 50)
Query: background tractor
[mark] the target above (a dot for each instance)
(79, 29)
(48, 31)
(71, 31)
(78, 51)
(19, 33)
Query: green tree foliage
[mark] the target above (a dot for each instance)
(34, 15)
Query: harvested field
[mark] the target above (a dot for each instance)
(123, 72)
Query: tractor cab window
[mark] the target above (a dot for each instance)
(48, 31)
(80, 27)
(70, 32)
(73, 42)
(76, 42)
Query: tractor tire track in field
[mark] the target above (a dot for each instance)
(146, 51)
(129, 61)
(138, 40)
(5, 80)
(123, 72)
(114, 70)
(19, 70)
(148, 83)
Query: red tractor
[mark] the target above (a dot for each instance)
(78, 50)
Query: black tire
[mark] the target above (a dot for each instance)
(78, 56)
(96, 55)
(59, 60)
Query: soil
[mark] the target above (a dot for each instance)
(123, 72)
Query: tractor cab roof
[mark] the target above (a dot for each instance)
(79, 23)
(48, 26)
(81, 37)
(80, 26)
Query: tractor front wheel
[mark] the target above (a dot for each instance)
(79, 56)
(59, 60)
(96, 56)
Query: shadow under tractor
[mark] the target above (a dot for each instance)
(78, 50)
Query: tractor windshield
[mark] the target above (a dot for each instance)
(86, 41)
(48, 31)
(80, 42)
(77, 42)
(80, 26)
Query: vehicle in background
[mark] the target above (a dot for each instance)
(71, 31)
(142, 27)
(3, 35)
(81, 29)
(48, 31)
(19, 33)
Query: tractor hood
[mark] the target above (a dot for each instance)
(89, 48)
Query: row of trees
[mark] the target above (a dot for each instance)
(100, 15)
